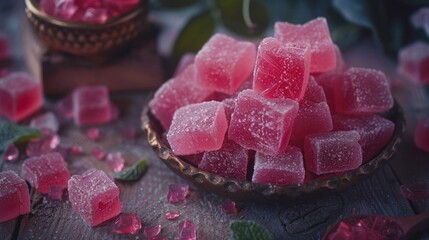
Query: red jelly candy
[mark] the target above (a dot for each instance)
(14, 196)
(413, 63)
(421, 134)
(91, 105)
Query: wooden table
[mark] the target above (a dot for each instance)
(147, 197)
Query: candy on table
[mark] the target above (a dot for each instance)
(316, 33)
(328, 81)
(187, 231)
(11, 153)
(177, 192)
(281, 70)
(46, 121)
(152, 231)
(115, 161)
(64, 107)
(186, 60)
(40, 146)
(314, 91)
(46, 171)
(93, 133)
(375, 131)
(332, 152)
(91, 105)
(421, 134)
(94, 196)
(99, 153)
(262, 124)
(413, 62)
(14, 196)
(230, 161)
(197, 127)
(362, 91)
(224, 63)
(420, 19)
(127, 223)
(229, 207)
(4, 48)
(285, 168)
(171, 215)
(20, 96)
(177, 92)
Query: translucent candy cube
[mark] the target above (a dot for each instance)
(285, 168)
(198, 127)
(362, 91)
(14, 196)
(316, 33)
(20, 96)
(46, 121)
(328, 81)
(413, 63)
(91, 105)
(175, 93)
(332, 152)
(230, 161)
(94, 197)
(314, 92)
(224, 63)
(262, 124)
(281, 71)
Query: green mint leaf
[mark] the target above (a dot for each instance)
(249, 230)
(134, 172)
(14, 133)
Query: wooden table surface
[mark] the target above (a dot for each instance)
(307, 219)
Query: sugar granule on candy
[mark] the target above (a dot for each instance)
(177, 192)
(46, 121)
(127, 223)
(14, 196)
(94, 196)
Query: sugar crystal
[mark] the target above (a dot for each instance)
(177, 192)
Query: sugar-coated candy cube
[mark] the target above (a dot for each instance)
(223, 63)
(281, 71)
(230, 161)
(91, 105)
(194, 159)
(332, 152)
(316, 33)
(20, 96)
(177, 92)
(4, 48)
(285, 168)
(14, 196)
(46, 121)
(229, 106)
(328, 81)
(197, 127)
(46, 171)
(186, 60)
(421, 134)
(94, 196)
(314, 92)
(362, 91)
(375, 131)
(262, 124)
(413, 63)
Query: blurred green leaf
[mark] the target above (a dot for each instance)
(13, 133)
(231, 12)
(193, 36)
(172, 4)
(249, 230)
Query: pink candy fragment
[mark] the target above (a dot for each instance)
(262, 124)
(316, 33)
(46, 144)
(197, 127)
(93, 133)
(361, 91)
(171, 215)
(4, 48)
(224, 63)
(187, 231)
(20, 96)
(64, 107)
(55, 193)
(47, 171)
(421, 134)
(332, 152)
(14, 196)
(177, 192)
(314, 92)
(11, 153)
(115, 161)
(413, 192)
(229, 207)
(94, 197)
(152, 231)
(127, 223)
(76, 150)
(98, 153)
(281, 71)
(46, 121)
(285, 168)
(91, 105)
(413, 62)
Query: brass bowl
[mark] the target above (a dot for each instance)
(244, 190)
(85, 39)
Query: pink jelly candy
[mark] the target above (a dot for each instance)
(281, 71)
(197, 127)
(46, 144)
(187, 231)
(93, 133)
(229, 106)
(223, 63)
(177, 192)
(175, 93)
(262, 124)
(285, 168)
(46, 121)
(91, 105)
(421, 134)
(229, 207)
(332, 152)
(413, 62)
(20, 96)
(14, 196)
(362, 91)
(4, 48)
(46, 171)
(328, 81)
(64, 107)
(316, 33)
(11, 153)
(127, 223)
(230, 161)
(374, 131)
(94, 196)
(152, 231)
(194, 159)
(186, 60)
(115, 161)
(99, 153)
(314, 92)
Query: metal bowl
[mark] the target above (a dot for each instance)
(86, 39)
(245, 190)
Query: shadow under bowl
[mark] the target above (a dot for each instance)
(245, 190)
